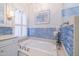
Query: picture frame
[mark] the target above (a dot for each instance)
(43, 17)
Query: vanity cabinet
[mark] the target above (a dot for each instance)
(10, 50)
(9, 47)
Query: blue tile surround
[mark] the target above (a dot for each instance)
(67, 37)
(46, 33)
(5, 30)
(74, 11)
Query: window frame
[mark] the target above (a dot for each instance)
(21, 24)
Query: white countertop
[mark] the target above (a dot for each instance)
(6, 37)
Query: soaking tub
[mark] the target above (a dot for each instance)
(37, 47)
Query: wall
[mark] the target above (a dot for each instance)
(67, 37)
(31, 10)
(69, 11)
(18, 6)
(9, 24)
(23, 8)
(70, 5)
(45, 30)
(5, 31)
(55, 14)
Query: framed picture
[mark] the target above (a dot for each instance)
(43, 17)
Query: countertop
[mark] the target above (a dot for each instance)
(6, 40)
(6, 37)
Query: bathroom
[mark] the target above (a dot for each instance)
(30, 29)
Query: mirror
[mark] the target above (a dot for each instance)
(1, 13)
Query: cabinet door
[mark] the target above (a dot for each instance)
(10, 50)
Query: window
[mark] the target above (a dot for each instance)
(18, 16)
(24, 22)
(17, 30)
(20, 23)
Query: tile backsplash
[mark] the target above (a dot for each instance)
(46, 33)
(5, 30)
(74, 11)
(67, 37)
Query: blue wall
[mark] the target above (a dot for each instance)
(68, 32)
(67, 37)
(5, 30)
(46, 33)
(74, 11)
(70, 5)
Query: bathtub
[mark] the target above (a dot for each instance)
(37, 47)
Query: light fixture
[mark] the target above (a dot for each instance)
(9, 12)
